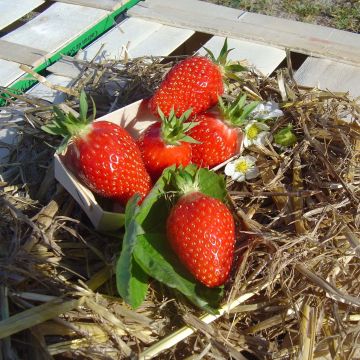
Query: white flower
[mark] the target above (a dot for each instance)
(267, 110)
(256, 133)
(242, 168)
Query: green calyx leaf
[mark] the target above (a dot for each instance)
(174, 129)
(229, 69)
(68, 125)
(237, 112)
(285, 136)
(147, 252)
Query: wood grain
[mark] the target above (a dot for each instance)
(276, 32)
(331, 75)
(16, 10)
(109, 5)
(20, 53)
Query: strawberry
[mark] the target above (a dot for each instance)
(102, 154)
(201, 231)
(218, 133)
(195, 82)
(165, 143)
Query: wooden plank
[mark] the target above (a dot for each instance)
(56, 26)
(138, 36)
(111, 45)
(161, 42)
(300, 37)
(16, 10)
(204, 8)
(43, 31)
(20, 53)
(9, 72)
(264, 58)
(331, 75)
(128, 34)
(109, 5)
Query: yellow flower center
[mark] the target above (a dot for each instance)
(253, 131)
(242, 166)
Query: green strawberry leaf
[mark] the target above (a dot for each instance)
(145, 241)
(236, 68)
(157, 258)
(131, 280)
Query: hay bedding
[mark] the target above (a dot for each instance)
(294, 294)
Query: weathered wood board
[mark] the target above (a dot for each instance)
(56, 26)
(109, 5)
(299, 37)
(133, 38)
(13, 10)
(327, 74)
(9, 72)
(43, 30)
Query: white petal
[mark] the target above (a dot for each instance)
(238, 176)
(276, 113)
(247, 142)
(259, 108)
(229, 169)
(261, 139)
(252, 173)
(262, 126)
(251, 160)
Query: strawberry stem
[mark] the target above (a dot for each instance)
(185, 182)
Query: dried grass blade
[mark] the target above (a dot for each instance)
(315, 144)
(297, 202)
(328, 288)
(275, 320)
(42, 80)
(100, 278)
(186, 331)
(37, 315)
(353, 239)
(307, 332)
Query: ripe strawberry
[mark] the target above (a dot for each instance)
(195, 82)
(165, 143)
(102, 154)
(218, 133)
(201, 231)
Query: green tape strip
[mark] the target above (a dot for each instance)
(26, 81)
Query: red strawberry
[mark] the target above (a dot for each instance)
(218, 134)
(201, 231)
(165, 143)
(102, 154)
(195, 82)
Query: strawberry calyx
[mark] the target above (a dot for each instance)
(228, 68)
(70, 126)
(237, 112)
(174, 129)
(184, 182)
